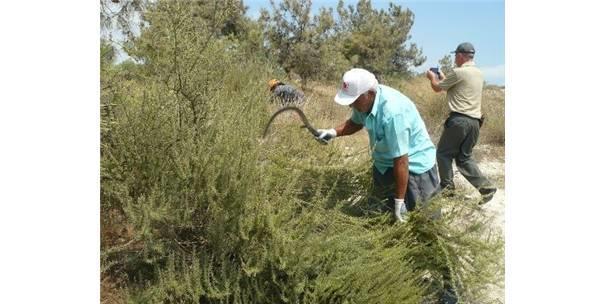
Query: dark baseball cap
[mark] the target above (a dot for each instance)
(465, 47)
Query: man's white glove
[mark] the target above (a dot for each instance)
(326, 134)
(400, 209)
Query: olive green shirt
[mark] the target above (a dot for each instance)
(463, 87)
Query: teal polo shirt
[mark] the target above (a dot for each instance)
(395, 128)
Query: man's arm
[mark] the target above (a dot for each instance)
(400, 173)
(347, 128)
(448, 81)
(434, 81)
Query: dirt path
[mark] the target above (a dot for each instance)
(492, 164)
(495, 171)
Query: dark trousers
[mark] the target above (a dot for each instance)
(421, 187)
(458, 139)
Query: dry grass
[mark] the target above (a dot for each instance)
(323, 113)
(111, 292)
(493, 131)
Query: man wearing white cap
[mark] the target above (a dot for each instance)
(403, 154)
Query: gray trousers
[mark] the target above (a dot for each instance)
(421, 187)
(458, 139)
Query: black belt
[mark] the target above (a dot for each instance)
(454, 114)
(462, 115)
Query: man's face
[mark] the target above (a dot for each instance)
(459, 59)
(364, 102)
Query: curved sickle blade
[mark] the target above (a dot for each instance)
(306, 123)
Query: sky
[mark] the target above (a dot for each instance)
(440, 26)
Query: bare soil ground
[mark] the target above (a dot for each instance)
(491, 161)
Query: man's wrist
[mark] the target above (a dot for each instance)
(399, 209)
(400, 202)
(333, 132)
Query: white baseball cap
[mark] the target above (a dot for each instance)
(355, 83)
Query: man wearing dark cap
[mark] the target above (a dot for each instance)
(463, 86)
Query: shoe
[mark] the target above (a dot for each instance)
(487, 194)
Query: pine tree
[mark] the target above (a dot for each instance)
(378, 40)
(301, 43)
(446, 64)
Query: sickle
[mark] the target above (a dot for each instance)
(306, 123)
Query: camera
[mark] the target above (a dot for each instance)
(436, 71)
